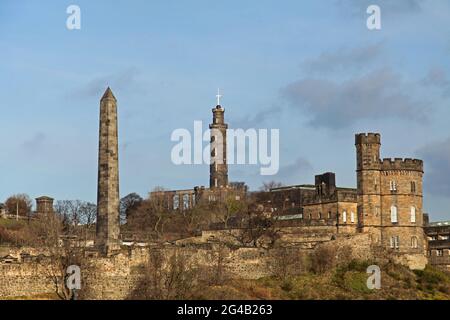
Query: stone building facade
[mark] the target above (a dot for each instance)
(438, 238)
(320, 204)
(386, 205)
(389, 194)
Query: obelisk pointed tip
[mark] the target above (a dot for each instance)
(108, 94)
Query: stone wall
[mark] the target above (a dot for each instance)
(24, 279)
(116, 276)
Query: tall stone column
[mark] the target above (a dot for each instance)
(218, 176)
(107, 235)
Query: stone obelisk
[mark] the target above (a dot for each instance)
(107, 235)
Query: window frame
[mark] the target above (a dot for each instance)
(394, 214)
(413, 215)
(414, 242)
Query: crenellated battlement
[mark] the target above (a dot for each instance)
(402, 164)
(367, 138)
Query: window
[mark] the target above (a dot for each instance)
(413, 187)
(393, 185)
(215, 183)
(395, 242)
(185, 201)
(176, 202)
(414, 242)
(352, 217)
(320, 215)
(413, 214)
(439, 252)
(344, 216)
(394, 214)
(310, 216)
(329, 214)
(293, 204)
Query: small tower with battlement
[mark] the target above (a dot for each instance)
(368, 179)
(389, 195)
(218, 177)
(107, 235)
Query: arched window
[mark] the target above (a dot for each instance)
(414, 242)
(394, 217)
(344, 216)
(329, 214)
(320, 215)
(413, 214)
(176, 202)
(185, 201)
(352, 217)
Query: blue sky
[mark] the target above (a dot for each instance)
(310, 68)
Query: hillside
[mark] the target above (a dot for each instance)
(345, 282)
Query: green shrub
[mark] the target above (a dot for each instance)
(287, 285)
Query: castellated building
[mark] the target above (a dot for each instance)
(386, 205)
(389, 197)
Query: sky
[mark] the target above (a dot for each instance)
(311, 69)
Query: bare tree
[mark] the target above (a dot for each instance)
(19, 204)
(322, 259)
(260, 231)
(87, 214)
(270, 185)
(287, 262)
(59, 252)
(128, 204)
(167, 276)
